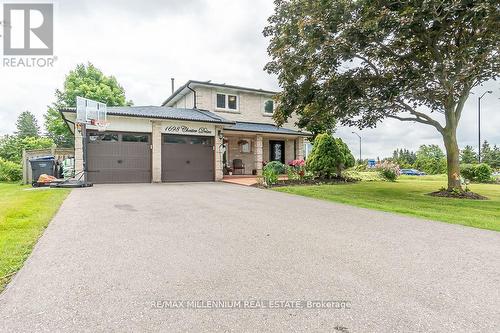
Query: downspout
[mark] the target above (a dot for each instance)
(194, 95)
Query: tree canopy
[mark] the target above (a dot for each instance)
(431, 159)
(84, 81)
(468, 155)
(27, 125)
(362, 61)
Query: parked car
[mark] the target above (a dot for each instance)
(412, 172)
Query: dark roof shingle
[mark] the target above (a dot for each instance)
(163, 112)
(263, 128)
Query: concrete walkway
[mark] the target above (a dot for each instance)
(246, 180)
(115, 253)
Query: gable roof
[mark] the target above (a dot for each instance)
(163, 112)
(194, 83)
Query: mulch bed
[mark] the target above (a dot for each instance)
(294, 182)
(459, 195)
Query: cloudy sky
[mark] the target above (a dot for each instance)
(145, 43)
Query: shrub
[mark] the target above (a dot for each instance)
(329, 157)
(468, 171)
(363, 176)
(270, 175)
(476, 172)
(278, 167)
(296, 169)
(483, 173)
(388, 170)
(10, 171)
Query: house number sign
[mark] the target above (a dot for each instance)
(183, 129)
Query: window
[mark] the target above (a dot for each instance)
(227, 102)
(174, 139)
(95, 137)
(245, 146)
(190, 140)
(232, 102)
(269, 106)
(135, 138)
(221, 101)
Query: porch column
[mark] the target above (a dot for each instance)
(299, 148)
(219, 174)
(78, 151)
(258, 154)
(156, 151)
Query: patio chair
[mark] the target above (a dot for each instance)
(238, 165)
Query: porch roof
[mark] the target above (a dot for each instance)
(263, 128)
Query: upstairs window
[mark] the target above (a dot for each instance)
(232, 102)
(269, 106)
(221, 101)
(227, 102)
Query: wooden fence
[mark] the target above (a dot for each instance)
(59, 154)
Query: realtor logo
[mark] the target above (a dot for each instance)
(28, 29)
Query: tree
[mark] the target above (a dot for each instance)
(431, 159)
(495, 160)
(329, 156)
(404, 158)
(468, 155)
(84, 81)
(363, 61)
(486, 152)
(27, 125)
(11, 147)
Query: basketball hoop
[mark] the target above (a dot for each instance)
(101, 125)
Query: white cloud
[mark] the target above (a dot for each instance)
(146, 43)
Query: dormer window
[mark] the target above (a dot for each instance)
(227, 102)
(269, 106)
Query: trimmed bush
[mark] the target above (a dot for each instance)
(329, 157)
(476, 172)
(483, 173)
(10, 171)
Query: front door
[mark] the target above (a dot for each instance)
(277, 151)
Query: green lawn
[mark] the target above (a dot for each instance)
(24, 214)
(408, 196)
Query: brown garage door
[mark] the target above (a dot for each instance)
(187, 158)
(114, 157)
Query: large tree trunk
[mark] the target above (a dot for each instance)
(453, 158)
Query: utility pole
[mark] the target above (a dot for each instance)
(479, 125)
(359, 136)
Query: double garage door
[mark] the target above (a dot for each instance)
(119, 157)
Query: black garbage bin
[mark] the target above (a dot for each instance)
(42, 165)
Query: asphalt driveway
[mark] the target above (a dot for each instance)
(115, 255)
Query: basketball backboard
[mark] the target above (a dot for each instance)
(90, 112)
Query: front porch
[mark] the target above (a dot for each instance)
(244, 154)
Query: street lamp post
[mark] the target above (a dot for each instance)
(359, 136)
(479, 124)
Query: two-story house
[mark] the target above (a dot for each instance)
(202, 132)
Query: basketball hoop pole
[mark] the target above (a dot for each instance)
(84, 148)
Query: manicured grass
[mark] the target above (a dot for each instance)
(408, 196)
(24, 214)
